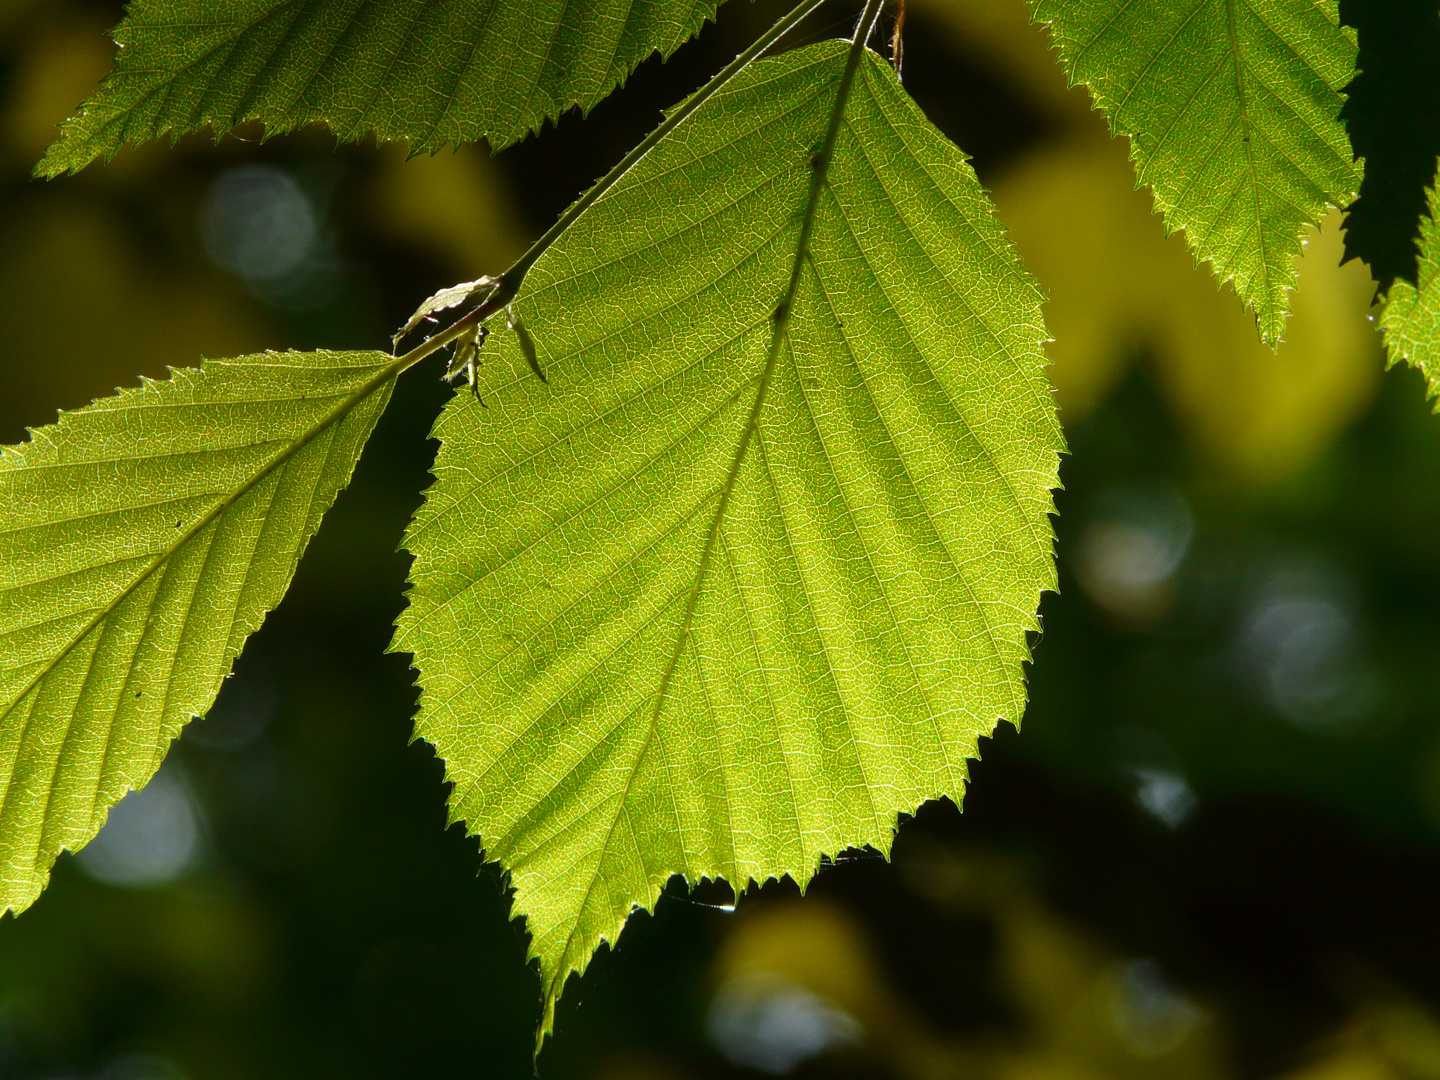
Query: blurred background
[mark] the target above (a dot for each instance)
(1213, 853)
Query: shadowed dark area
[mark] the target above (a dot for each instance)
(1393, 116)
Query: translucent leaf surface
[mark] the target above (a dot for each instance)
(1232, 108)
(142, 540)
(435, 72)
(646, 649)
(1411, 320)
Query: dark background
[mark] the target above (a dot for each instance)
(1213, 852)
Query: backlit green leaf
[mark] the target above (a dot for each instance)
(645, 650)
(142, 540)
(435, 72)
(1411, 319)
(1232, 108)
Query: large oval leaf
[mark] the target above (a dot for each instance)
(667, 622)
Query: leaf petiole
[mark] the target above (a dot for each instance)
(507, 285)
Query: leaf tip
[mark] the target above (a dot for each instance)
(59, 161)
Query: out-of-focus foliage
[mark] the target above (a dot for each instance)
(434, 73)
(1260, 411)
(797, 979)
(1389, 1038)
(647, 650)
(1232, 111)
(1412, 316)
(1082, 1010)
(454, 205)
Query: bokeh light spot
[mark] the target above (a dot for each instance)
(152, 836)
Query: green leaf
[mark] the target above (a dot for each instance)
(683, 611)
(435, 72)
(1411, 319)
(142, 540)
(1232, 108)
